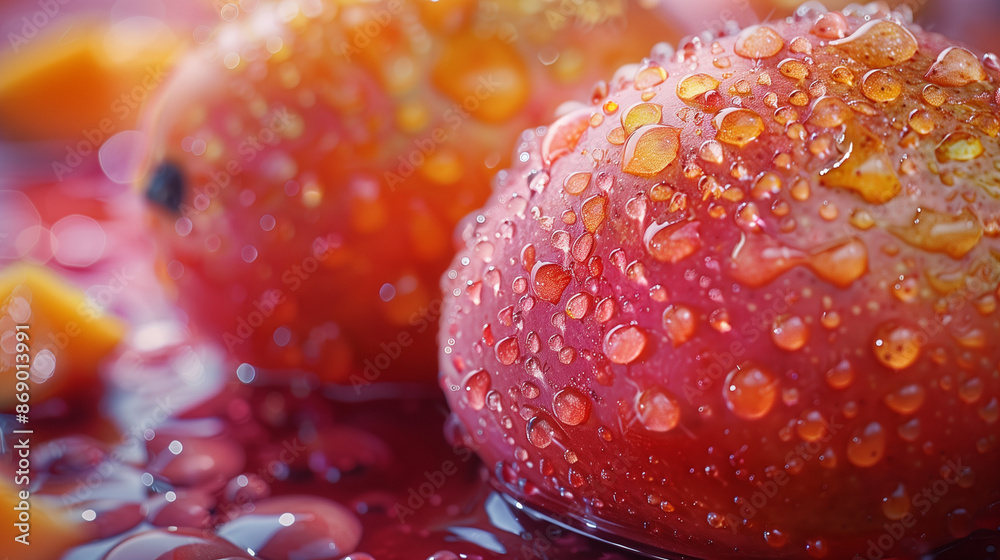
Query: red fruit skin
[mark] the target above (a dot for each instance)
(734, 395)
(360, 142)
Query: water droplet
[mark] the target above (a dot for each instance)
(897, 346)
(650, 149)
(881, 86)
(477, 385)
(624, 344)
(971, 390)
(829, 112)
(812, 426)
(641, 114)
(579, 305)
(738, 127)
(865, 168)
(842, 75)
(696, 85)
(758, 41)
(711, 152)
(933, 95)
(750, 391)
(879, 44)
(906, 289)
(295, 527)
(583, 246)
(841, 375)
(867, 446)
(571, 407)
(789, 333)
(564, 134)
(956, 67)
(933, 231)
(576, 183)
(905, 400)
(895, 506)
(549, 281)
(959, 146)
(842, 264)
(650, 74)
(776, 538)
(831, 25)
(672, 243)
(507, 350)
(529, 390)
(657, 410)
(594, 211)
(921, 121)
(793, 68)
(680, 322)
(540, 432)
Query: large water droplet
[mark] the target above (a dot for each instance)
(881, 86)
(594, 211)
(906, 400)
(789, 333)
(879, 44)
(864, 169)
(896, 505)
(830, 112)
(671, 243)
(576, 183)
(750, 391)
(624, 344)
(657, 410)
(867, 446)
(758, 41)
(650, 74)
(793, 68)
(571, 407)
(959, 146)
(696, 85)
(680, 322)
(477, 385)
(956, 67)
(641, 114)
(842, 264)
(841, 375)
(942, 233)
(897, 346)
(540, 432)
(549, 281)
(507, 350)
(564, 134)
(738, 127)
(295, 528)
(650, 149)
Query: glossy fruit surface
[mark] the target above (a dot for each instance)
(743, 306)
(309, 164)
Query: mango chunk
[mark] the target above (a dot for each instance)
(67, 332)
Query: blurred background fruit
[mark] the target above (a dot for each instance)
(307, 165)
